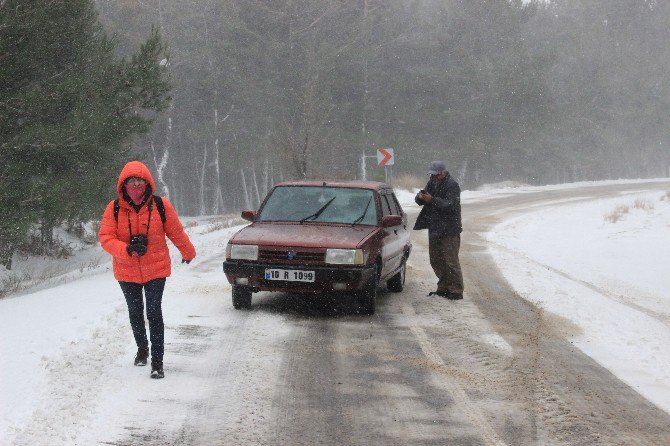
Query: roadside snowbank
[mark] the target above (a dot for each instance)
(609, 278)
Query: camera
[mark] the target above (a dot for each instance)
(139, 239)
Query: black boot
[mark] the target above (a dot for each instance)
(141, 356)
(438, 293)
(157, 369)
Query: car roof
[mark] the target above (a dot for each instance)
(373, 185)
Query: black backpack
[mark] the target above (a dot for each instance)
(159, 206)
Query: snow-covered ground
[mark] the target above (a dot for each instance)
(609, 278)
(65, 348)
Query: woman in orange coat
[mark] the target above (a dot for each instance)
(133, 231)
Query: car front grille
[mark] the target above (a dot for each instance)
(291, 257)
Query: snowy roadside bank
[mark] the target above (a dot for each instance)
(603, 266)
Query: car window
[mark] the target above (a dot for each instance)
(386, 208)
(337, 205)
(395, 206)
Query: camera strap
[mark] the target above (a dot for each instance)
(150, 207)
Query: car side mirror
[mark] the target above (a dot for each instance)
(391, 220)
(249, 215)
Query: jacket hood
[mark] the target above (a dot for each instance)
(134, 169)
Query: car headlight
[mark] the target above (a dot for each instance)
(345, 256)
(242, 252)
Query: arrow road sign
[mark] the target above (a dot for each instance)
(385, 157)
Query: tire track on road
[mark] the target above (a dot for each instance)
(454, 389)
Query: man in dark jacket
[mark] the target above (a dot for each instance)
(441, 215)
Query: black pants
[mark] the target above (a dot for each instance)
(153, 291)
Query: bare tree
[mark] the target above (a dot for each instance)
(255, 181)
(245, 190)
(201, 190)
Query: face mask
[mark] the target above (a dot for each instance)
(136, 193)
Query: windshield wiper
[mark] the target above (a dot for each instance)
(359, 219)
(315, 215)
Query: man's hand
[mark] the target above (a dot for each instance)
(425, 197)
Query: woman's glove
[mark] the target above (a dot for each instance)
(185, 261)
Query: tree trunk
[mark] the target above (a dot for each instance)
(219, 205)
(160, 168)
(218, 199)
(245, 190)
(266, 177)
(201, 194)
(463, 171)
(257, 192)
(366, 39)
(6, 255)
(47, 237)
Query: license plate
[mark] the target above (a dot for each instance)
(289, 275)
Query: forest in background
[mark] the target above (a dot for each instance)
(223, 98)
(539, 92)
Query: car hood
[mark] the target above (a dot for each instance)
(307, 235)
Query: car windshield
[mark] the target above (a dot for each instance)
(336, 205)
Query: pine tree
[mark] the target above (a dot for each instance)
(68, 107)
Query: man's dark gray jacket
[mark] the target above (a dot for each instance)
(442, 216)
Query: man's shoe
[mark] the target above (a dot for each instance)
(157, 370)
(141, 356)
(454, 296)
(439, 293)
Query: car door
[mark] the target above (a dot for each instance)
(393, 244)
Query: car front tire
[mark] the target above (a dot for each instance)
(368, 297)
(397, 282)
(241, 297)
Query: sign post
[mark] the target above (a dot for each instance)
(363, 165)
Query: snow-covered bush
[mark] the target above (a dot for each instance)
(33, 245)
(617, 214)
(622, 210)
(643, 205)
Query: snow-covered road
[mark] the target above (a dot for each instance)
(420, 371)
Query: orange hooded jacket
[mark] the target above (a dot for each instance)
(115, 235)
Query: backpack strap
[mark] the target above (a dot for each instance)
(116, 210)
(159, 206)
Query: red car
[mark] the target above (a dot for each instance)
(321, 236)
